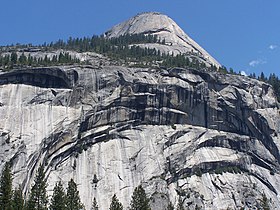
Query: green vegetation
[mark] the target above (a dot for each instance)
(94, 205)
(58, 200)
(274, 81)
(170, 206)
(73, 201)
(101, 44)
(115, 204)
(13, 200)
(264, 202)
(10, 61)
(184, 61)
(180, 205)
(9, 199)
(139, 200)
(230, 169)
(18, 200)
(38, 199)
(218, 170)
(123, 48)
(6, 192)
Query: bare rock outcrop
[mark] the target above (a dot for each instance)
(212, 139)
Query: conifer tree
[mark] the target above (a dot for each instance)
(170, 206)
(262, 77)
(38, 199)
(115, 204)
(14, 57)
(73, 201)
(180, 205)
(22, 59)
(139, 199)
(58, 200)
(6, 192)
(94, 205)
(265, 202)
(197, 207)
(18, 201)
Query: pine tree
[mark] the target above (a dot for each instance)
(38, 199)
(180, 205)
(139, 199)
(262, 77)
(58, 200)
(115, 204)
(18, 201)
(14, 57)
(197, 207)
(170, 206)
(6, 192)
(94, 205)
(73, 201)
(265, 202)
(22, 59)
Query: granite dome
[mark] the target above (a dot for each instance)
(177, 41)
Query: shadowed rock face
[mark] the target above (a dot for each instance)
(41, 77)
(212, 139)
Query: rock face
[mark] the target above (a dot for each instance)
(208, 137)
(153, 23)
(211, 139)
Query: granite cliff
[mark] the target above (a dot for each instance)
(210, 138)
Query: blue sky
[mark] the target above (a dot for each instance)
(242, 34)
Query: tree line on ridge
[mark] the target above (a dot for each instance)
(125, 48)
